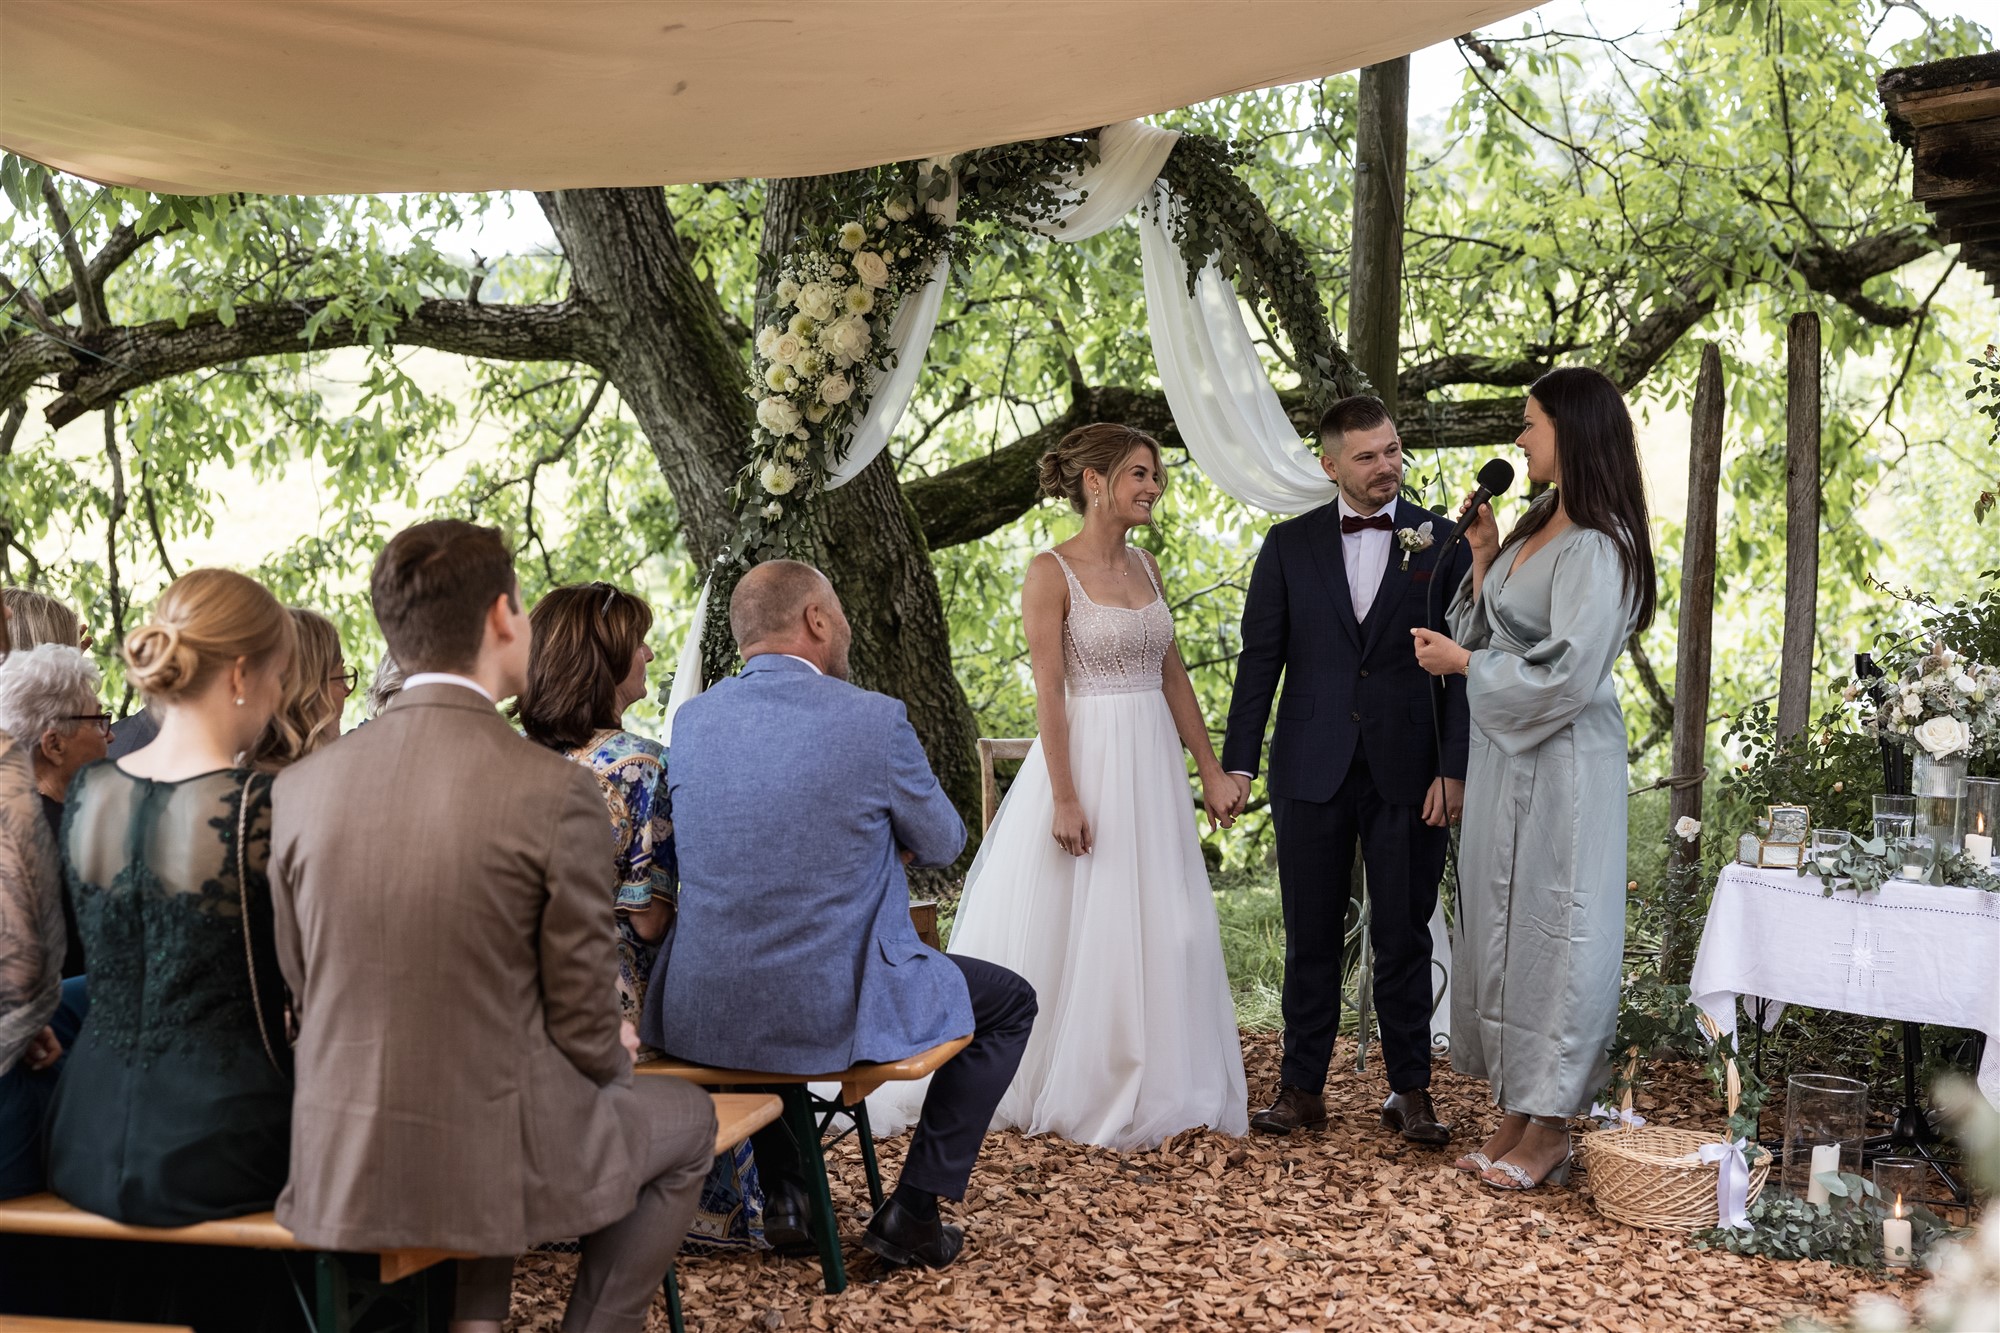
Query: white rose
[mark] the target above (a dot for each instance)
(898, 209)
(1965, 683)
(767, 338)
(817, 301)
(859, 301)
(788, 291)
(835, 389)
(847, 339)
(853, 236)
(778, 416)
(788, 348)
(871, 269)
(1944, 736)
(1687, 828)
(778, 478)
(838, 270)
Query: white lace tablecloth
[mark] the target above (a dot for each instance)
(1911, 952)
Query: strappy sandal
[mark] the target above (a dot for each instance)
(1480, 1163)
(1517, 1177)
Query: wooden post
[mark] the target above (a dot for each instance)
(1802, 423)
(1694, 634)
(1375, 297)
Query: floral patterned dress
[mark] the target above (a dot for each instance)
(632, 771)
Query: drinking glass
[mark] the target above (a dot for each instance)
(1828, 843)
(1896, 805)
(1890, 828)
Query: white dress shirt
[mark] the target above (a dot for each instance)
(1366, 554)
(448, 678)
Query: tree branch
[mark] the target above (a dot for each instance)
(127, 357)
(89, 300)
(119, 246)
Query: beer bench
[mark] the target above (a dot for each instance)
(344, 1288)
(811, 1116)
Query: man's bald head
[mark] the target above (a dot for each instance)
(787, 606)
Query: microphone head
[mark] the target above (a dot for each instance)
(1496, 476)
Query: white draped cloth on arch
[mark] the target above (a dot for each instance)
(1228, 415)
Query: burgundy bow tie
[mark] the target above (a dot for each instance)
(1349, 523)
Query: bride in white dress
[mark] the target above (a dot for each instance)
(1091, 882)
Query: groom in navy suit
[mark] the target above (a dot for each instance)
(1368, 747)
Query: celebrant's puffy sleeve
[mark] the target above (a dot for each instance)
(1520, 701)
(1466, 616)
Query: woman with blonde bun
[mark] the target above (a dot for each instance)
(175, 1104)
(316, 691)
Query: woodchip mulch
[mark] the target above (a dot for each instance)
(1351, 1228)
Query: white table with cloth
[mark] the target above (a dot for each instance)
(1917, 953)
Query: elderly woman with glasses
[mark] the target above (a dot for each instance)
(48, 702)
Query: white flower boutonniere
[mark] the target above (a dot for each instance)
(1413, 540)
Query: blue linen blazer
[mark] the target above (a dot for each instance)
(793, 951)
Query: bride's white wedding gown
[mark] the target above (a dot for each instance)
(1136, 1036)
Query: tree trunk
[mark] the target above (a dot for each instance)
(1380, 151)
(675, 366)
(667, 352)
(1802, 406)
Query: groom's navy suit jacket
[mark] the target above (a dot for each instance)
(1347, 682)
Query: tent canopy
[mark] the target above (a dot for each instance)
(379, 96)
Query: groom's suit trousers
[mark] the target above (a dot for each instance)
(963, 1094)
(1404, 858)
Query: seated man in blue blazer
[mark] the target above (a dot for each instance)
(797, 801)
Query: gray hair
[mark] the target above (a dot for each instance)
(385, 685)
(45, 687)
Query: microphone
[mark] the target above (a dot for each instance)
(1494, 479)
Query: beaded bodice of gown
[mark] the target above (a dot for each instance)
(1114, 649)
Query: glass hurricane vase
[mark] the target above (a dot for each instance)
(1939, 786)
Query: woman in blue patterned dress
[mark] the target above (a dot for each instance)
(586, 667)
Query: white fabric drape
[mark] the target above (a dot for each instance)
(1228, 414)
(687, 663)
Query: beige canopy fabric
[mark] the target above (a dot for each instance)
(376, 96)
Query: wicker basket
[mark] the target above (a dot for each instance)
(1651, 1176)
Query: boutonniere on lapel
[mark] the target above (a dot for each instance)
(1413, 540)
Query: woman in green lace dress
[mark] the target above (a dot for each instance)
(175, 1103)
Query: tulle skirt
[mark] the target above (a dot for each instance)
(1136, 1036)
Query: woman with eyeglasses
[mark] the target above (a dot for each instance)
(48, 700)
(316, 694)
(586, 666)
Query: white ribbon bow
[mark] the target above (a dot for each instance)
(1627, 1116)
(1732, 1182)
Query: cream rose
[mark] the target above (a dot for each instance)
(788, 348)
(1944, 736)
(847, 339)
(767, 338)
(853, 236)
(788, 291)
(1687, 828)
(871, 268)
(778, 416)
(778, 478)
(836, 389)
(818, 301)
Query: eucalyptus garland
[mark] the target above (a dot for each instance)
(1864, 865)
(822, 350)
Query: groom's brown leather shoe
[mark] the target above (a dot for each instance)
(1293, 1108)
(1412, 1115)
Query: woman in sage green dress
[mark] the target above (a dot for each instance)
(1539, 624)
(176, 1104)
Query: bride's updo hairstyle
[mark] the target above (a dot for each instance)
(1101, 447)
(206, 619)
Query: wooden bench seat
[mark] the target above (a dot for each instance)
(856, 1081)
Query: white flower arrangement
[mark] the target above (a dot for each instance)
(1413, 540)
(1942, 705)
(1687, 828)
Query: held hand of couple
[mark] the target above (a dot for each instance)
(1438, 654)
(1223, 797)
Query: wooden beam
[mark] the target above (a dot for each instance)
(1945, 106)
(1802, 499)
(1694, 636)
(1381, 150)
(1957, 161)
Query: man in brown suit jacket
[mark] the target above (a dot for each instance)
(442, 893)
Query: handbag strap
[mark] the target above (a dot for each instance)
(243, 904)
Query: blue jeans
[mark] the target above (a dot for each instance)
(24, 1100)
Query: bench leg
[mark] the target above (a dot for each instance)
(812, 1157)
(675, 1321)
(330, 1281)
(866, 1136)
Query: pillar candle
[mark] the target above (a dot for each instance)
(1979, 847)
(1825, 1157)
(1896, 1251)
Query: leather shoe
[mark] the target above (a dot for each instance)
(787, 1216)
(1412, 1115)
(1293, 1108)
(897, 1236)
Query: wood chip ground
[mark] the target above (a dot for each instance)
(1350, 1228)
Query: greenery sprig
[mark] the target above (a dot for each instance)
(1846, 1229)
